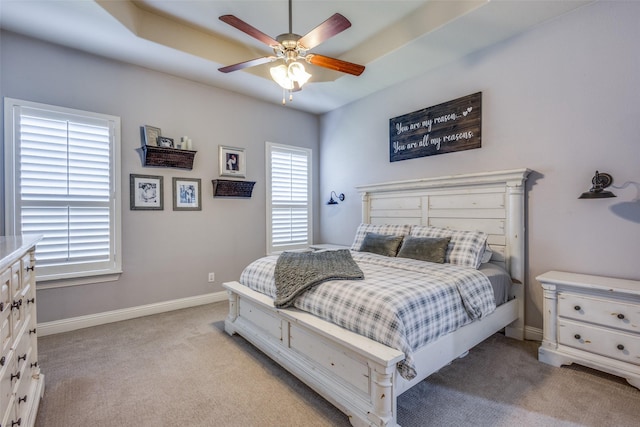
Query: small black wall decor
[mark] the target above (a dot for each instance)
(444, 128)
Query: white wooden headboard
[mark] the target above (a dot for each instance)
(492, 202)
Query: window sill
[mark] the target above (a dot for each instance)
(76, 281)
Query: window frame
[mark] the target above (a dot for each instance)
(64, 274)
(270, 147)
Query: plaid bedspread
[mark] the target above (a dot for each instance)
(402, 303)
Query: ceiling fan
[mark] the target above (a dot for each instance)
(291, 47)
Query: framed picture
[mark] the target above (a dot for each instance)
(187, 194)
(146, 192)
(163, 141)
(151, 135)
(232, 161)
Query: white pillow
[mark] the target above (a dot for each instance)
(386, 229)
(465, 247)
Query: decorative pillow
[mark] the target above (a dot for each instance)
(386, 229)
(487, 254)
(465, 247)
(381, 244)
(424, 248)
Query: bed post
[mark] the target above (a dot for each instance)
(233, 313)
(383, 396)
(516, 243)
(366, 208)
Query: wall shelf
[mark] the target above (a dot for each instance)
(230, 188)
(167, 157)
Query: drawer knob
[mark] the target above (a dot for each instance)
(31, 301)
(577, 336)
(1, 306)
(23, 357)
(29, 268)
(620, 316)
(16, 304)
(577, 308)
(620, 347)
(15, 376)
(16, 423)
(32, 331)
(2, 360)
(34, 365)
(22, 399)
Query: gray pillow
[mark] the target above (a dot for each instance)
(425, 248)
(381, 244)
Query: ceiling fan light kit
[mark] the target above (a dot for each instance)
(292, 48)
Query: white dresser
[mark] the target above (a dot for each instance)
(21, 383)
(593, 321)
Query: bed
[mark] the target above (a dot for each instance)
(359, 375)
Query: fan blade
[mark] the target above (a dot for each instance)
(335, 64)
(248, 29)
(247, 64)
(329, 28)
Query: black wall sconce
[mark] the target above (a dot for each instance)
(333, 201)
(599, 182)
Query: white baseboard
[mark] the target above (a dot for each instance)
(74, 323)
(532, 334)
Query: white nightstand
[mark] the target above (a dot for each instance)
(324, 246)
(593, 321)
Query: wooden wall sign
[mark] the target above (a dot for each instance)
(444, 128)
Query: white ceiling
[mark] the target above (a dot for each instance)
(395, 40)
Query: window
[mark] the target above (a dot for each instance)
(61, 181)
(288, 197)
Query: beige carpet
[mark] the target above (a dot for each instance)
(181, 369)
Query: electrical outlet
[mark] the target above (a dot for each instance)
(212, 277)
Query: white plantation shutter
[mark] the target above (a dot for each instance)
(288, 197)
(63, 175)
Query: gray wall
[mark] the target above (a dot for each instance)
(561, 99)
(166, 254)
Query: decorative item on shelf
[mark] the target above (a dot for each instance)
(232, 161)
(150, 135)
(187, 194)
(165, 142)
(230, 188)
(332, 201)
(186, 143)
(600, 181)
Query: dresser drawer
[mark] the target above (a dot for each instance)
(16, 278)
(605, 342)
(22, 390)
(10, 415)
(28, 268)
(606, 312)
(6, 331)
(5, 381)
(23, 349)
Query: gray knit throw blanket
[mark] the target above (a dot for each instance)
(296, 272)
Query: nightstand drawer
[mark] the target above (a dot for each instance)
(605, 342)
(611, 313)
